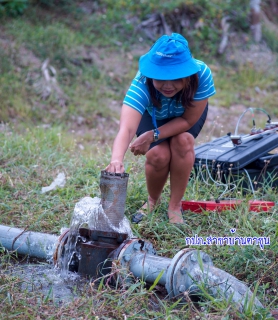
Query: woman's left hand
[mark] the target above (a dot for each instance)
(141, 145)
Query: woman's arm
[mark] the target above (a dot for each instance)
(178, 125)
(129, 122)
(181, 124)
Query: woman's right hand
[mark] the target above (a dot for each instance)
(129, 122)
(115, 167)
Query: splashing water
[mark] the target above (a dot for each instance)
(45, 282)
(88, 213)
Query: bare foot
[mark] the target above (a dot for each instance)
(175, 215)
(151, 204)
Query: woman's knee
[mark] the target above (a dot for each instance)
(182, 143)
(159, 157)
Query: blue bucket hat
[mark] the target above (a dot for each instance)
(168, 59)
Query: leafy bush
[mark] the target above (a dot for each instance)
(13, 7)
(53, 3)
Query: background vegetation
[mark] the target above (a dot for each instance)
(64, 69)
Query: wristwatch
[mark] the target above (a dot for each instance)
(155, 135)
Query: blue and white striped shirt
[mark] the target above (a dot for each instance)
(138, 96)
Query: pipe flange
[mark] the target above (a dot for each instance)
(179, 278)
(60, 246)
(123, 255)
(133, 246)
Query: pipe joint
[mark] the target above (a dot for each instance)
(184, 264)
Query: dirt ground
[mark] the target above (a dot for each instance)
(220, 120)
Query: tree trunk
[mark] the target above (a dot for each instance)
(256, 28)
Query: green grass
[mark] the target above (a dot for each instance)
(33, 159)
(41, 137)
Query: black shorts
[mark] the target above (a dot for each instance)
(146, 124)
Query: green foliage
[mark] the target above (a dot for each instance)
(140, 8)
(13, 7)
(238, 12)
(53, 3)
(5, 63)
(271, 39)
(46, 41)
(65, 7)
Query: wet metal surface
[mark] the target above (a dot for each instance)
(192, 269)
(95, 247)
(25, 242)
(149, 267)
(103, 236)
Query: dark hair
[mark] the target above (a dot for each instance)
(185, 96)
